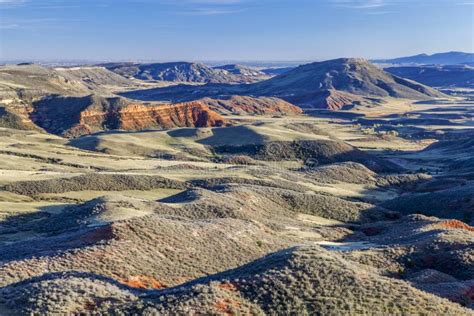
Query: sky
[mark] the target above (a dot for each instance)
(206, 30)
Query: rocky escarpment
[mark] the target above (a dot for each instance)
(57, 101)
(23, 85)
(16, 117)
(76, 116)
(249, 105)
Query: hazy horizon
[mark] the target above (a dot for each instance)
(231, 30)
(216, 62)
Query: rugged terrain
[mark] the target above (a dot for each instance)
(187, 72)
(246, 73)
(235, 203)
(81, 100)
(75, 116)
(332, 84)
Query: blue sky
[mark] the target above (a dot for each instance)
(232, 29)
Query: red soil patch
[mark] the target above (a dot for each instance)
(228, 286)
(143, 282)
(225, 306)
(454, 224)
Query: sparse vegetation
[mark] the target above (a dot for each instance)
(93, 181)
(262, 214)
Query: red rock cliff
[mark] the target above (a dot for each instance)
(252, 105)
(76, 116)
(137, 116)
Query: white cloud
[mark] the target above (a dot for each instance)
(9, 26)
(205, 7)
(11, 1)
(360, 4)
(34, 24)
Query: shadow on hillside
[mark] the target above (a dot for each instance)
(184, 93)
(72, 274)
(333, 114)
(233, 136)
(44, 234)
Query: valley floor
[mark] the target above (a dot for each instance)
(362, 211)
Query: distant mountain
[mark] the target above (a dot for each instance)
(246, 73)
(256, 74)
(340, 81)
(176, 71)
(276, 71)
(329, 84)
(125, 69)
(449, 58)
(186, 72)
(458, 76)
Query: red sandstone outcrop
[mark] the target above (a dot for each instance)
(73, 117)
(191, 114)
(251, 105)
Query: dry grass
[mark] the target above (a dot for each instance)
(301, 280)
(215, 242)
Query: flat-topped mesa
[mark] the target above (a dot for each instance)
(77, 116)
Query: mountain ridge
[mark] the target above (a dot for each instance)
(437, 76)
(447, 58)
(185, 72)
(347, 81)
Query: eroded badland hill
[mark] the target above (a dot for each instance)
(332, 188)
